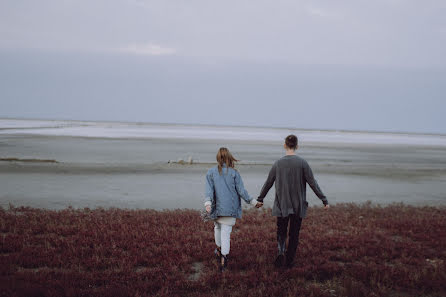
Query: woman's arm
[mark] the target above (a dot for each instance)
(242, 191)
(209, 191)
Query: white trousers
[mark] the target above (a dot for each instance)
(222, 235)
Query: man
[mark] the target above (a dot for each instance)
(290, 174)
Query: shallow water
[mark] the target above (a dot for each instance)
(178, 190)
(134, 173)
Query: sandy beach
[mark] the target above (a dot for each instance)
(57, 171)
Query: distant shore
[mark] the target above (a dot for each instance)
(17, 123)
(128, 130)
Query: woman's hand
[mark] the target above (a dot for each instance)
(208, 208)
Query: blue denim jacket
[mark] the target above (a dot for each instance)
(224, 192)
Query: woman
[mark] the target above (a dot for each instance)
(224, 188)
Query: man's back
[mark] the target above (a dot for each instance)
(290, 174)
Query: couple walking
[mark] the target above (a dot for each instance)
(224, 188)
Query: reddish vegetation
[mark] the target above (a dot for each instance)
(348, 250)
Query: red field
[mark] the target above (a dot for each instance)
(349, 250)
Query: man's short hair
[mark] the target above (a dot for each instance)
(291, 141)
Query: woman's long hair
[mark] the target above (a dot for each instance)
(224, 156)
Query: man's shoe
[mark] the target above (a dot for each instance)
(289, 264)
(279, 261)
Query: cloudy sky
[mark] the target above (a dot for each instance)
(357, 65)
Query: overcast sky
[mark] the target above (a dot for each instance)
(357, 65)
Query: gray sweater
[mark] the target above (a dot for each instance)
(291, 175)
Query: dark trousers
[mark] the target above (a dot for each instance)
(282, 227)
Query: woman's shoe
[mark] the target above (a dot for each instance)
(223, 263)
(217, 253)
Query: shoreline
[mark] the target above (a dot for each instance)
(18, 209)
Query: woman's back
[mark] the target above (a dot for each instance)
(227, 188)
(224, 188)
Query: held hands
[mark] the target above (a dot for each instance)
(259, 204)
(326, 206)
(208, 208)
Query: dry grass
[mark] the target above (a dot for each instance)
(349, 250)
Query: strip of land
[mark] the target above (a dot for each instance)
(349, 250)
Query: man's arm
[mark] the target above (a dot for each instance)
(268, 183)
(313, 183)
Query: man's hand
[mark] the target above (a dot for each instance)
(326, 206)
(259, 204)
(208, 208)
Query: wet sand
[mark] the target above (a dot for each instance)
(136, 173)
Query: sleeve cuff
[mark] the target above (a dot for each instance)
(207, 203)
(253, 202)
